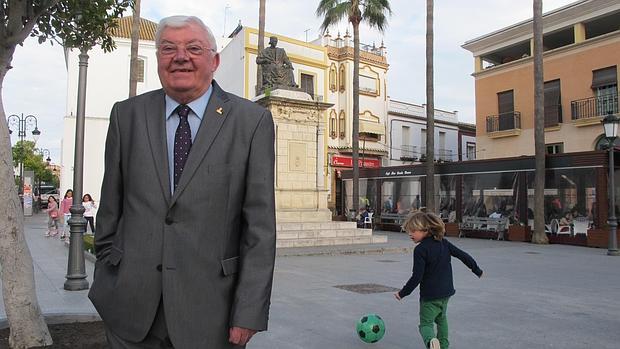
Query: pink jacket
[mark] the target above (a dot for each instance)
(51, 209)
(65, 205)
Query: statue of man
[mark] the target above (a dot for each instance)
(277, 69)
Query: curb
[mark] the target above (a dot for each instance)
(60, 318)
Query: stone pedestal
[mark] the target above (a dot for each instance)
(301, 197)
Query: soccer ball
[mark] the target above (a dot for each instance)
(370, 328)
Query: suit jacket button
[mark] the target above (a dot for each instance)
(168, 221)
(158, 267)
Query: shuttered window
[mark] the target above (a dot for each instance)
(553, 103)
(506, 108)
(604, 77)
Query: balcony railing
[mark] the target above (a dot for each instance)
(444, 155)
(409, 153)
(594, 107)
(553, 115)
(504, 122)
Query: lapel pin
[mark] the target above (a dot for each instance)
(219, 110)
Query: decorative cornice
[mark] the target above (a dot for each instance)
(344, 53)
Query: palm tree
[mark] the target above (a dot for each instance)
(539, 236)
(430, 111)
(135, 40)
(373, 13)
(261, 42)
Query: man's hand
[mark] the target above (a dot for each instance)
(240, 335)
(397, 296)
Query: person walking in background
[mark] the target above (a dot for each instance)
(65, 205)
(186, 230)
(89, 211)
(432, 270)
(53, 216)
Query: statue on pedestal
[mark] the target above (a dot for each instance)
(277, 70)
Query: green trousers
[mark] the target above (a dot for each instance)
(431, 313)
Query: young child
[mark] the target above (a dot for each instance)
(65, 205)
(433, 272)
(89, 212)
(53, 217)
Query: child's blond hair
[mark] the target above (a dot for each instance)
(425, 221)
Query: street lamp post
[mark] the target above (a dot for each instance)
(22, 124)
(48, 159)
(76, 269)
(610, 124)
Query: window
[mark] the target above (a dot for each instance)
(407, 150)
(368, 84)
(140, 75)
(342, 78)
(506, 110)
(332, 78)
(332, 124)
(553, 103)
(605, 86)
(422, 143)
(471, 151)
(342, 124)
(307, 84)
(556, 148)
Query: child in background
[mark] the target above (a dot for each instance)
(65, 205)
(89, 211)
(53, 217)
(432, 270)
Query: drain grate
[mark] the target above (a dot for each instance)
(532, 252)
(367, 288)
(387, 261)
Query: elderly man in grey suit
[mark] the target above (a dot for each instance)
(185, 237)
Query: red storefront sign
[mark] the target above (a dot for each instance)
(347, 161)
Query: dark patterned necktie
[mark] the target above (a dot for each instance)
(182, 142)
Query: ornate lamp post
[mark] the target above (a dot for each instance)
(610, 124)
(22, 124)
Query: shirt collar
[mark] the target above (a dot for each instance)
(198, 105)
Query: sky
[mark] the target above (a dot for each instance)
(37, 83)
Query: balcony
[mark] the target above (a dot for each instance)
(504, 124)
(409, 153)
(441, 155)
(553, 115)
(587, 110)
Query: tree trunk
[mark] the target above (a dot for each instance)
(28, 328)
(539, 236)
(135, 41)
(356, 116)
(430, 112)
(261, 43)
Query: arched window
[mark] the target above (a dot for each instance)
(332, 124)
(342, 124)
(333, 78)
(342, 78)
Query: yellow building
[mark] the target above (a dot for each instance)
(581, 58)
(324, 69)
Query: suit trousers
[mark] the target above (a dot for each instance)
(157, 338)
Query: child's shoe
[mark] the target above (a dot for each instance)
(47, 234)
(434, 344)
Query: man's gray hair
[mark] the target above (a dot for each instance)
(180, 22)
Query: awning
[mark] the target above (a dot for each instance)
(370, 127)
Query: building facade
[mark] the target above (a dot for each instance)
(107, 83)
(581, 44)
(406, 136)
(324, 69)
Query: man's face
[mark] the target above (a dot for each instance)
(186, 62)
(273, 42)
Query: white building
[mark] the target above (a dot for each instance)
(107, 83)
(406, 139)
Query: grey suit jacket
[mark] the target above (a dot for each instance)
(209, 249)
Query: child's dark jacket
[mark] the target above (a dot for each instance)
(432, 269)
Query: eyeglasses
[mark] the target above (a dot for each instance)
(191, 49)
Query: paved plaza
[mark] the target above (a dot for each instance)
(529, 297)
